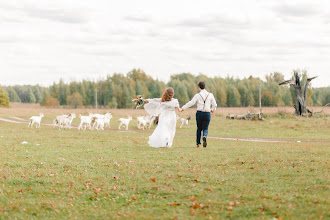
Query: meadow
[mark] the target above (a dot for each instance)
(276, 168)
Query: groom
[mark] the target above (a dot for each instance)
(204, 101)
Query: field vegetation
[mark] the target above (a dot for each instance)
(280, 169)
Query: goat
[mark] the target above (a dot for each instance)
(125, 122)
(73, 115)
(106, 118)
(36, 119)
(185, 121)
(141, 122)
(85, 120)
(57, 120)
(230, 116)
(65, 120)
(243, 117)
(99, 124)
(149, 120)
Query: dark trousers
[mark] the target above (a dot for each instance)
(202, 120)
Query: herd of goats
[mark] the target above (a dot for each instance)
(99, 122)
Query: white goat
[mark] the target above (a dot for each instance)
(185, 121)
(125, 122)
(99, 124)
(64, 121)
(57, 120)
(35, 119)
(150, 120)
(141, 122)
(86, 121)
(106, 118)
(73, 115)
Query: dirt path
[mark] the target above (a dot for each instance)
(22, 121)
(19, 119)
(11, 121)
(264, 140)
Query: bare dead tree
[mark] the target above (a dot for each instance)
(301, 93)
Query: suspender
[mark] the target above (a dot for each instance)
(204, 100)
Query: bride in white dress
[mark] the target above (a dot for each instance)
(165, 108)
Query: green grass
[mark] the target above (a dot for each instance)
(112, 174)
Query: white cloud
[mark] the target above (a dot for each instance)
(84, 39)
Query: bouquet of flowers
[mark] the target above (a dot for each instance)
(139, 101)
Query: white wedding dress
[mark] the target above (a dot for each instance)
(164, 133)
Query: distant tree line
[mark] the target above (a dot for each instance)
(118, 90)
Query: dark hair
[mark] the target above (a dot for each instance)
(201, 85)
(168, 94)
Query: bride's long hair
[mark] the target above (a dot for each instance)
(168, 94)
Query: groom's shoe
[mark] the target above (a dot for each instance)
(204, 142)
(198, 145)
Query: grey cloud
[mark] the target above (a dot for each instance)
(57, 15)
(106, 53)
(229, 29)
(278, 51)
(297, 10)
(326, 19)
(4, 19)
(153, 33)
(63, 15)
(194, 23)
(227, 58)
(293, 44)
(138, 18)
(227, 35)
(216, 20)
(8, 39)
(97, 50)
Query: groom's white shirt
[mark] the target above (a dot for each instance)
(199, 98)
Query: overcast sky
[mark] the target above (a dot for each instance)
(42, 41)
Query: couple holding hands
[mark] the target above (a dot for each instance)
(165, 107)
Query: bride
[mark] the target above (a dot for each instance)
(164, 108)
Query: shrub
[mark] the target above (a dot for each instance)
(4, 98)
(75, 100)
(52, 102)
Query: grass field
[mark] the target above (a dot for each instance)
(115, 174)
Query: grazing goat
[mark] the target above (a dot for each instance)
(86, 121)
(185, 121)
(243, 117)
(230, 116)
(141, 122)
(35, 119)
(124, 122)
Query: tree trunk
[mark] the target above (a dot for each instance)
(301, 96)
(301, 93)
